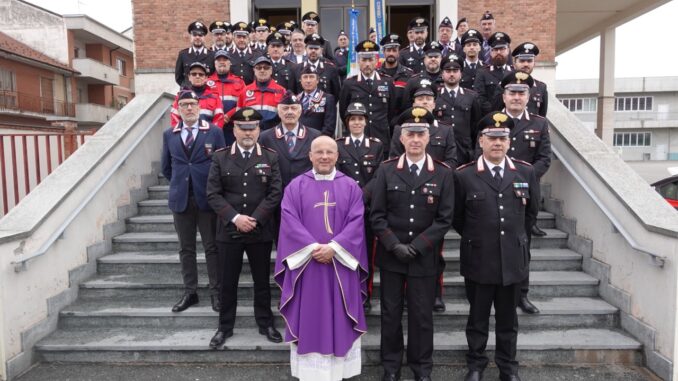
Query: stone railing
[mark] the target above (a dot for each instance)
(626, 232)
(50, 241)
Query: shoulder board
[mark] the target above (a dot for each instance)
(466, 165)
(537, 116)
(267, 149)
(441, 163)
(374, 139)
(222, 149)
(391, 159)
(470, 91)
(341, 138)
(521, 162)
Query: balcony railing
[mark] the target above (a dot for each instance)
(26, 159)
(19, 101)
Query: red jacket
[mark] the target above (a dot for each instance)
(210, 109)
(228, 91)
(263, 100)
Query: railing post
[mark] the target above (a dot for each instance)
(70, 142)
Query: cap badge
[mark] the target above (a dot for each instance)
(520, 77)
(500, 35)
(247, 114)
(312, 15)
(528, 47)
(418, 113)
(198, 24)
(420, 20)
(368, 45)
(499, 119)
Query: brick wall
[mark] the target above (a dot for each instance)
(527, 20)
(160, 29)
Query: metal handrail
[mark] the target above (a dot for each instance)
(655, 259)
(20, 264)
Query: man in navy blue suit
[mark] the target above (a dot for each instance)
(186, 157)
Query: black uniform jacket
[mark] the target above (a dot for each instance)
(377, 98)
(360, 163)
(493, 220)
(321, 113)
(242, 66)
(531, 142)
(488, 87)
(415, 211)
(284, 73)
(462, 113)
(292, 163)
(328, 77)
(441, 145)
(252, 188)
(539, 99)
(185, 58)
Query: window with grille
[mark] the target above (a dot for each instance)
(580, 104)
(633, 103)
(633, 139)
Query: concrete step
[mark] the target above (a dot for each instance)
(556, 313)
(168, 241)
(168, 287)
(159, 207)
(263, 372)
(158, 262)
(162, 345)
(154, 215)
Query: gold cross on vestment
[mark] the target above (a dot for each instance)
(326, 204)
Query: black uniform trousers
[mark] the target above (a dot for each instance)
(230, 265)
(525, 284)
(419, 293)
(186, 223)
(505, 300)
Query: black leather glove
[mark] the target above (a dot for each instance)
(402, 253)
(412, 250)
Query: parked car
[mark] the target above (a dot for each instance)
(668, 188)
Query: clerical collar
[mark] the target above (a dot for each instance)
(420, 163)
(328, 177)
(243, 150)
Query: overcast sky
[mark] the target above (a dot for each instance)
(645, 35)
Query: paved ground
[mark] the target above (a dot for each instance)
(652, 171)
(199, 372)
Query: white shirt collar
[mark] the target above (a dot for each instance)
(455, 89)
(492, 165)
(516, 117)
(329, 177)
(242, 150)
(361, 137)
(420, 163)
(295, 130)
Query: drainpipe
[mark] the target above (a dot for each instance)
(110, 62)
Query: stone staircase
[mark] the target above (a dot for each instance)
(122, 315)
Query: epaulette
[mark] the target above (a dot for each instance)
(374, 139)
(441, 163)
(391, 159)
(222, 149)
(341, 138)
(466, 165)
(267, 149)
(521, 162)
(536, 116)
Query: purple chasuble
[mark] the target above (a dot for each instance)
(322, 304)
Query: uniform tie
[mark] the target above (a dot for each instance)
(357, 143)
(497, 174)
(413, 170)
(473, 66)
(246, 154)
(290, 141)
(189, 138)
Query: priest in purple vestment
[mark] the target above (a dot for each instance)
(321, 267)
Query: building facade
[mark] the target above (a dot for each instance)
(645, 114)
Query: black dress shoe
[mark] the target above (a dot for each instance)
(216, 303)
(537, 232)
(509, 377)
(367, 306)
(219, 338)
(439, 305)
(473, 375)
(390, 377)
(527, 306)
(271, 334)
(186, 301)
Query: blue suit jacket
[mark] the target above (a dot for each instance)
(178, 166)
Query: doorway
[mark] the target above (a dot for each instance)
(334, 17)
(398, 18)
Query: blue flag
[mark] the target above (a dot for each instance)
(353, 39)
